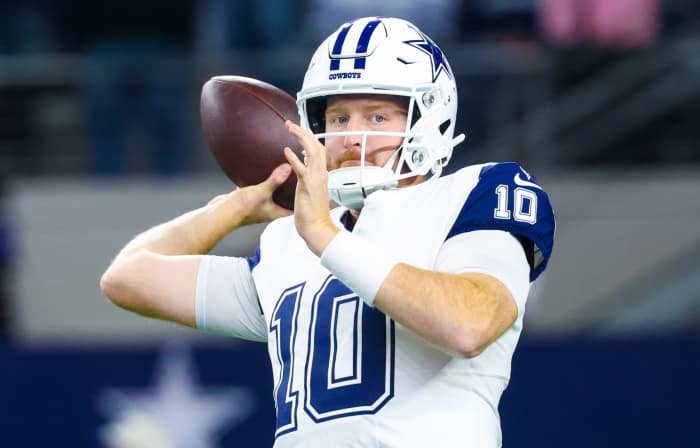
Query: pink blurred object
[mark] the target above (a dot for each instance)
(605, 23)
(559, 21)
(624, 23)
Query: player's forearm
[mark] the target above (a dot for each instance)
(461, 313)
(195, 232)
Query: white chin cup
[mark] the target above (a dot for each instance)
(350, 186)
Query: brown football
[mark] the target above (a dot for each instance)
(243, 122)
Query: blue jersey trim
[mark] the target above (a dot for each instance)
(254, 260)
(491, 206)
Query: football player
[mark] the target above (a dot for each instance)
(390, 320)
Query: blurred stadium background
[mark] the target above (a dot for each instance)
(100, 138)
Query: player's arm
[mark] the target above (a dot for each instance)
(464, 313)
(461, 312)
(155, 274)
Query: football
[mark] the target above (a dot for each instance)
(243, 123)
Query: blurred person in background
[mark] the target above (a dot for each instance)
(506, 30)
(224, 25)
(134, 93)
(622, 24)
(392, 319)
(27, 27)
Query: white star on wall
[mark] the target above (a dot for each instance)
(176, 412)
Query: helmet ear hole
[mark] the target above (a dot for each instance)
(416, 116)
(445, 126)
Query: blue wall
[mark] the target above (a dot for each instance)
(640, 393)
(624, 393)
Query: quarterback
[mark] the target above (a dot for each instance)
(391, 319)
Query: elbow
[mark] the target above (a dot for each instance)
(115, 287)
(468, 349)
(469, 340)
(469, 343)
(109, 285)
(473, 335)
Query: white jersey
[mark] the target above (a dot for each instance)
(346, 374)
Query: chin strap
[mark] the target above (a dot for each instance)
(345, 188)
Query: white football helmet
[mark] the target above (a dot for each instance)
(386, 56)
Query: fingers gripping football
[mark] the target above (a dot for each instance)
(257, 200)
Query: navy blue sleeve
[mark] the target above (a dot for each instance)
(507, 198)
(255, 259)
(252, 262)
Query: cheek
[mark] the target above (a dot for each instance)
(383, 147)
(334, 145)
(334, 149)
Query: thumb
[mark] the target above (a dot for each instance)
(278, 176)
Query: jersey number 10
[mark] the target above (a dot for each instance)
(349, 356)
(524, 209)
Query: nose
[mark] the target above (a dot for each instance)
(354, 141)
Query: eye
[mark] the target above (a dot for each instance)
(337, 120)
(378, 118)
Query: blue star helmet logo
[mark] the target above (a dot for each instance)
(437, 57)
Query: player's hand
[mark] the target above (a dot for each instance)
(311, 203)
(255, 202)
